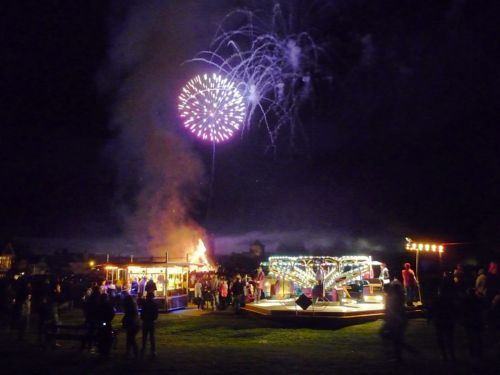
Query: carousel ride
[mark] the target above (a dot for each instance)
(327, 277)
(323, 286)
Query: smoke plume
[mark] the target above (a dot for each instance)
(159, 175)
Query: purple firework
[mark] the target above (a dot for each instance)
(212, 107)
(273, 61)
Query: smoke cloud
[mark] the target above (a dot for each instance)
(159, 175)
(301, 241)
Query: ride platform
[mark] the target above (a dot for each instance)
(334, 312)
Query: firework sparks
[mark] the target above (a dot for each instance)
(212, 107)
(272, 65)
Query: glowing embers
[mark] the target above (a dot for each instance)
(212, 107)
(427, 247)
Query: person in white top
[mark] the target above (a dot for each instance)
(384, 274)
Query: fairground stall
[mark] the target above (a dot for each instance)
(170, 278)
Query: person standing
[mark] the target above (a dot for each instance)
(481, 281)
(384, 274)
(198, 298)
(214, 290)
(134, 287)
(57, 302)
(149, 314)
(492, 282)
(90, 311)
(472, 315)
(150, 286)
(24, 318)
(43, 309)
(142, 287)
(238, 294)
(395, 320)
(105, 315)
(442, 312)
(205, 291)
(259, 284)
(130, 323)
(223, 291)
(409, 283)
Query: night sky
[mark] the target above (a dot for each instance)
(401, 139)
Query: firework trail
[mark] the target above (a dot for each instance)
(271, 65)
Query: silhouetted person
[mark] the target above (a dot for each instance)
(395, 318)
(142, 286)
(91, 311)
(105, 315)
(493, 313)
(43, 318)
(130, 323)
(57, 301)
(24, 317)
(460, 281)
(10, 302)
(150, 286)
(442, 313)
(238, 293)
(205, 292)
(473, 323)
(134, 287)
(481, 283)
(149, 314)
(17, 304)
(493, 282)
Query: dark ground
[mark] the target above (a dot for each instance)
(190, 342)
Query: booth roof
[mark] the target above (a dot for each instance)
(150, 264)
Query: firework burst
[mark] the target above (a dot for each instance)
(272, 65)
(212, 107)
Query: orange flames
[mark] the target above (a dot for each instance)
(183, 243)
(199, 255)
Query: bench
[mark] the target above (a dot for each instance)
(79, 333)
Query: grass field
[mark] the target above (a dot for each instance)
(191, 342)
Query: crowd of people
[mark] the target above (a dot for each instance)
(460, 298)
(212, 291)
(24, 302)
(21, 299)
(99, 313)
